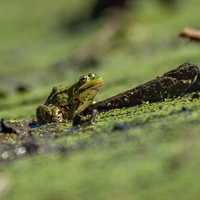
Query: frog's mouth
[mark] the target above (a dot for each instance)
(93, 86)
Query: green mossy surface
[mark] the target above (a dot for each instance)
(143, 152)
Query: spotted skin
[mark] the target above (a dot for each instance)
(64, 103)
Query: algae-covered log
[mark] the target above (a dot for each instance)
(183, 79)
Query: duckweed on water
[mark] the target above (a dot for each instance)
(149, 151)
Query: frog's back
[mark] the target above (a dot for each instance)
(60, 95)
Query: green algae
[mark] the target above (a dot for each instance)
(156, 157)
(159, 152)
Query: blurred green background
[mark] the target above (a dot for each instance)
(44, 44)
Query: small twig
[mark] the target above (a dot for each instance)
(190, 34)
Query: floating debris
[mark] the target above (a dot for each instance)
(182, 110)
(6, 128)
(121, 127)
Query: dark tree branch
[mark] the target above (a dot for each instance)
(183, 79)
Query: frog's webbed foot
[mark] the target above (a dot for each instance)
(81, 120)
(47, 114)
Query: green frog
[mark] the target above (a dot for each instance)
(65, 102)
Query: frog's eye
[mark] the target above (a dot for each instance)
(92, 76)
(83, 79)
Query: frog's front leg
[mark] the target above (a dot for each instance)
(47, 114)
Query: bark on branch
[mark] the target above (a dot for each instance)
(184, 79)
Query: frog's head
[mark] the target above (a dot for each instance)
(87, 90)
(89, 82)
